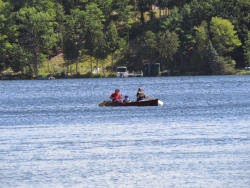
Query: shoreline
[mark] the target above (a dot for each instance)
(88, 76)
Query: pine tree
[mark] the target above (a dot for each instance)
(214, 60)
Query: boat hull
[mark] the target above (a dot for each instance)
(153, 102)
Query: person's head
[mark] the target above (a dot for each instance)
(126, 97)
(117, 90)
(139, 89)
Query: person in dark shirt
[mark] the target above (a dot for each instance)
(140, 95)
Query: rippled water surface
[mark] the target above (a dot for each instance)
(53, 134)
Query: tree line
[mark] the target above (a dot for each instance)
(185, 36)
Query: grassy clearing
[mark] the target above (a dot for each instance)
(57, 65)
(53, 66)
(242, 72)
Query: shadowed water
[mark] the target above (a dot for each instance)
(53, 133)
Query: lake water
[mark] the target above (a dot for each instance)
(53, 134)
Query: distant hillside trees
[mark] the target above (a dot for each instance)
(131, 32)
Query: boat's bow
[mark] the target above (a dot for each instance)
(104, 103)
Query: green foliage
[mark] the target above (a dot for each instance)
(238, 13)
(173, 22)
(32, 30)
(201, 37)
(199, 57)
(37, 29)
(219, 64)
(105, 6)
(60, 27)
(224, 36)
(95, 38)
(94, 17)
(149, 45)
(143, 6)
(215, 61)
(178, 3)
(74, 34)
(20, 58)
(18, 4)
(168, 44)
(9, 50)
(3, 33)
(4, 11)
(203, 10)
(150, 40)
(100, 50)
(112, 37)
(162, 4)
(113, 40)
(247, 50)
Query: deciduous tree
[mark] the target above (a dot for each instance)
(246, 48)
(168, 44)
(224, 36)
(37, 34)
(95, 40)
(113, 40)
(74, 36)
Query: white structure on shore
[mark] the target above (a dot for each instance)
(122, 72)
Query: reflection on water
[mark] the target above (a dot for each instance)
(53, 133)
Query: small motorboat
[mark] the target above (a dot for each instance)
(150, 102)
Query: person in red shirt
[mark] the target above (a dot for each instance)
(116, 96)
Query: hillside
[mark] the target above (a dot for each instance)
(191, 37)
